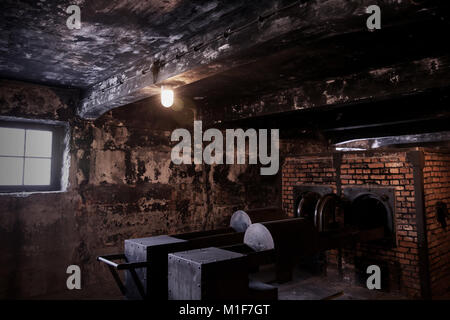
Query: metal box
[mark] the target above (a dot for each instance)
(207, 274)
(153, 250)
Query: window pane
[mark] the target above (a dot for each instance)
(11, 141)
(11, 171)
(39, 143)
(37, 172)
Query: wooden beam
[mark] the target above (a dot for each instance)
(370, 85)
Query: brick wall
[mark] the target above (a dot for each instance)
(304, 170)
(437, 189)
(399, 264)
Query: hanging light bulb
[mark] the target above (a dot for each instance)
(166, 96)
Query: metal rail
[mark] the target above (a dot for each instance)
(130, 266)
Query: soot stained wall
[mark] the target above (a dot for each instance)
(122, 184)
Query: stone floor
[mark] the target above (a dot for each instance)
(306, 286)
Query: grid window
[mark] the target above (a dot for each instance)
(30, 157)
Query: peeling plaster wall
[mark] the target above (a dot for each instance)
(122, 184)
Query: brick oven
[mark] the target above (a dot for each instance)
(405, 190)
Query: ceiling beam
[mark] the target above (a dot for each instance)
(414, 113)
(375, 84)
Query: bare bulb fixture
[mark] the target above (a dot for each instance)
(166, 96)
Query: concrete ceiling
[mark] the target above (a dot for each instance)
(37, 46)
